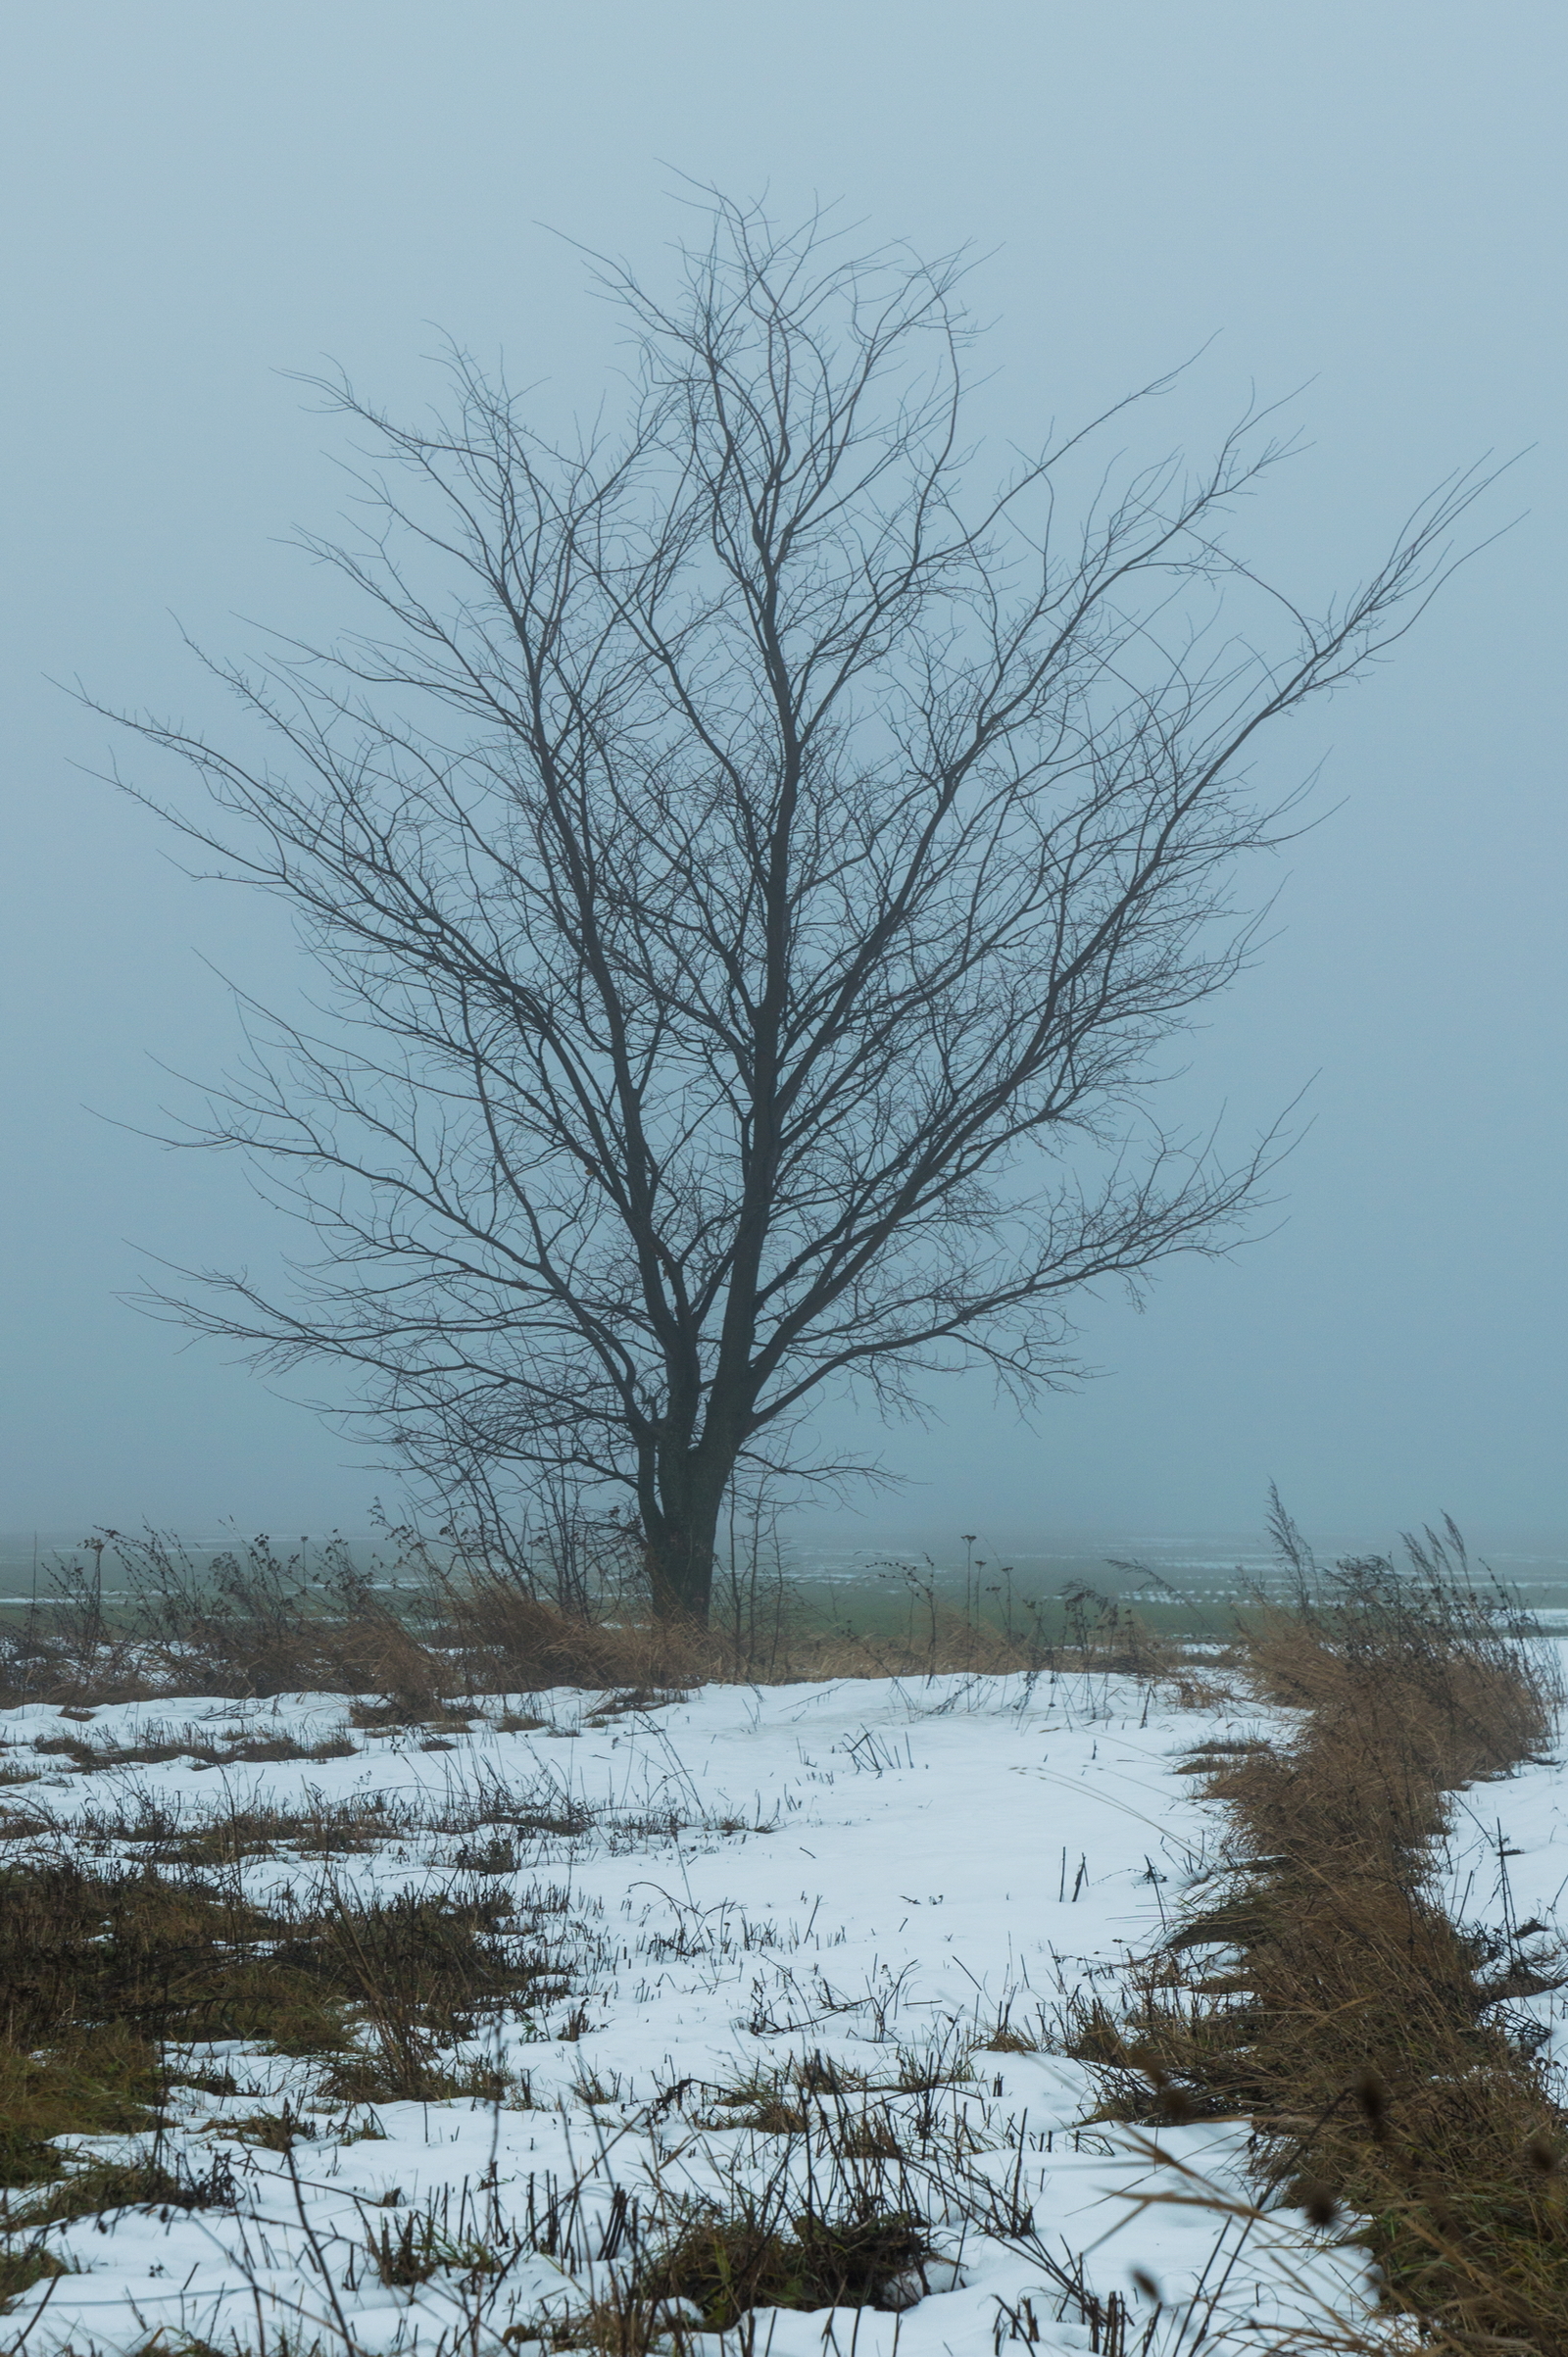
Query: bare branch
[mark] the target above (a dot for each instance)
(753, 878)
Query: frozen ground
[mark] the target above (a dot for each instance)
(1504, 1873)
(834, 1894)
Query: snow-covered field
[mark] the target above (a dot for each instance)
(829, 1895)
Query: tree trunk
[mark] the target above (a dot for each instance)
(681, 1534)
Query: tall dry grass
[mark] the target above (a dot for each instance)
(434, 1625)
(1324, 1993)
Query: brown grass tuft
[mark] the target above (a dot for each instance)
(727, 2263)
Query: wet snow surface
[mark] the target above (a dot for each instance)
(852, 1884)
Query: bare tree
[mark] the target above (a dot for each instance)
(753, 876)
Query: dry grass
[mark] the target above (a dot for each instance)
(750, 2256)
(410, 1647)
(106, 1974)
(24, 2264)
(1345, 2013)
(189, 1743)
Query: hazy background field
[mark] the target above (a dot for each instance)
(1180, 1584)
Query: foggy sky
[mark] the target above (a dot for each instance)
(1365, 203)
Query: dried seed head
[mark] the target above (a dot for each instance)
(1318, 2200)
(1542, 2153)
(1372, 2094)
(1146, 2284)
(1145, 2058)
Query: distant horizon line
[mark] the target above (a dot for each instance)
(846, 1534)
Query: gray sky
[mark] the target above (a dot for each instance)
(1369, 198)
